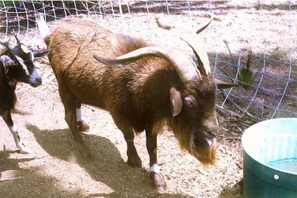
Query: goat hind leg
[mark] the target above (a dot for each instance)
(70, 117)
(82, 125)
(14, 131)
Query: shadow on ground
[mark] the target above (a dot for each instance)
(18, 182)
(107, 165)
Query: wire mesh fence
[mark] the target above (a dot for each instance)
(252, 43)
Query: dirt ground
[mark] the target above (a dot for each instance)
(55, 169)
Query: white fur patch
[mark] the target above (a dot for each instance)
(155, 168)
(34, 75)
(13, 129)
(21, 61)
(210, 141)
(42, 26)
(78, 115)
(23, 148)
(31, 55)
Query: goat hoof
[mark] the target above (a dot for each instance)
(82, 126)
(24, 149)
(158, 182)
(134, 161)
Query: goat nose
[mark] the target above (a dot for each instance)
(39, 81)
(35, 79)
(36, 82)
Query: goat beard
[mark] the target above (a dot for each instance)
(196, 145)
(202, 151)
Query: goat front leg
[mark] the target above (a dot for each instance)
(14, 131)
(158, 182)
(133, 158)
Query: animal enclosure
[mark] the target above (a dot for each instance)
(252, 43)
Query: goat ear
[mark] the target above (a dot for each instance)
(7, 61)
(176, 101)
(42, 52)
(224, 85)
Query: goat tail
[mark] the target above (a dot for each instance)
(42, 26)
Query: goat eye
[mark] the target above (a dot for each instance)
(188, 101)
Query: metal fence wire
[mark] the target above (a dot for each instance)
(252, 43)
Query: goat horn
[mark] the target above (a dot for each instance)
(16, 38)
(185, 66)
(162, 23)
(200, 53)
(204, 26)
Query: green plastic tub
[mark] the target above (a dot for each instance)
(270, 159)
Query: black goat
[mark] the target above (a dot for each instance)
(16, 65)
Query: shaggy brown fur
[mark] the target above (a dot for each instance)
(140, 96)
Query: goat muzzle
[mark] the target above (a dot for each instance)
(35, 80)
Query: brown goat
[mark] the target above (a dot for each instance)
(156, 86)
